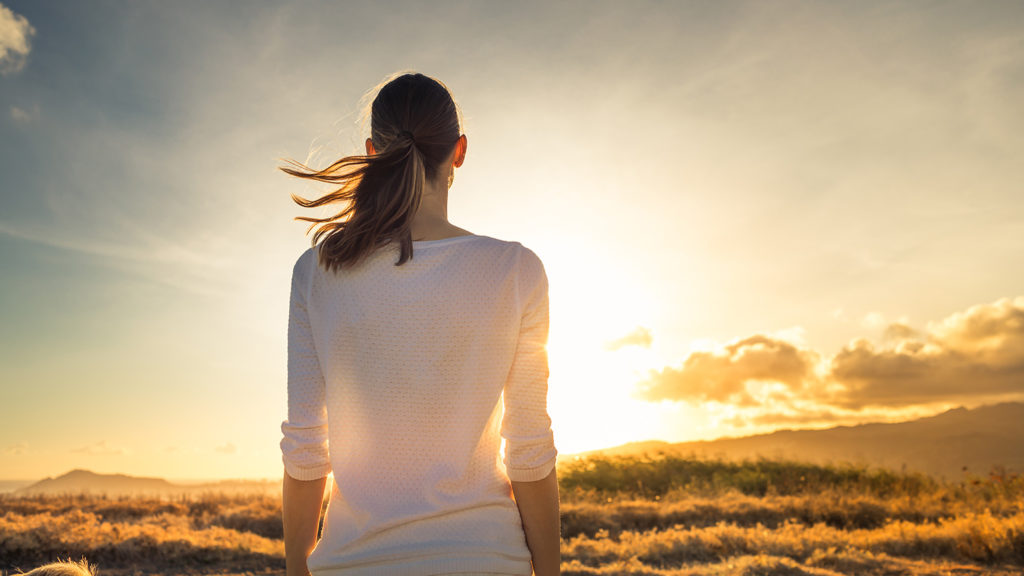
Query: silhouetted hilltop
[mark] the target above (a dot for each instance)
(84, 481)
(940, 445)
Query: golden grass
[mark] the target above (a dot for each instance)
(754, 522)
(146, 532)
(832, 508)
(976, 537)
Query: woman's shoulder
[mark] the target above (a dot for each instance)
(513, 246)
(522, 261)
(306, 259)
(304, 267)
(514, 250)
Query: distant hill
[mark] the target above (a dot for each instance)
(84, 481)
(940, 445)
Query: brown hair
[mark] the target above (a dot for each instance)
(414, 126)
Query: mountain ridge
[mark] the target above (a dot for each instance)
(945, 445)
(86, 481)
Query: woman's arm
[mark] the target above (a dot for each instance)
(301, 501)
(530, 453)
(538, 507)
(304, 445)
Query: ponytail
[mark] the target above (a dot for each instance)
(414, 125)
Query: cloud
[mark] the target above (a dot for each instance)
(786, 418)
(899, 331)
(22, 116)
(18, 449)
(723, 375)
(639, 337)
(970, 355)
(158, 259)
(103, 448)
(227, 448)
(873, 320)
(975, 355)
(15, 41)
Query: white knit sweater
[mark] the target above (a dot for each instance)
(403, 380)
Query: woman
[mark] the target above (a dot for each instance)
(414, 347)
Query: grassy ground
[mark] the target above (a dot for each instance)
(636, 516)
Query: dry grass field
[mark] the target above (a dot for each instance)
(636, 516)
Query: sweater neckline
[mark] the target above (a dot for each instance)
(442, 241)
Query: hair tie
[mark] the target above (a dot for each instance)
(405, 134)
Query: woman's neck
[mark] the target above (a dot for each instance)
(431, 220)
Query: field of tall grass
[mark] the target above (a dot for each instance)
(662, 515)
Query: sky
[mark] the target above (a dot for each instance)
(752, 215)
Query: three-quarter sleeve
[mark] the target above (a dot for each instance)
(526, 426)
(304, 447)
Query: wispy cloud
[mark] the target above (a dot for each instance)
(18, 449)
(101, 448)
(23, 116)
(785, 418)
(899, 331)
(641, 337)
(873, 320)
(15, 41)
(226, 448)
(158, 259)
(178, 450)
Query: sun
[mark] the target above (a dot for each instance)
(590, 389)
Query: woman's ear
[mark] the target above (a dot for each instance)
(369, 147)
(460, 151)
